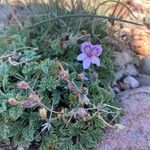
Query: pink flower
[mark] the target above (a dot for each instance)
(90, 54)
(23, 85)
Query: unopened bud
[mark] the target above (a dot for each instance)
(84, 99)
(64, 45)
(23, 85)
(64, 74)
(34, 97)
(12, 101)
(85, 91)
(81, 76)
(43, 113)
(29, 103)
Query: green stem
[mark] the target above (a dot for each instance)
(83, 15)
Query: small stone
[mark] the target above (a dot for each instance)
(116, 90)
(144, 80)
(122, 58)
(145, 65)
(119, 74)
(130, 82)
(20, 148)
(131, 70)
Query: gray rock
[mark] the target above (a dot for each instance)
(145, 65)
(116, 89)
(122, 58)
(20, 148)
(119, 74)
(130, 82)
(144, 80)
(131, 70)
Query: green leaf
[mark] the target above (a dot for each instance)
(4, 131)
(15, 112)
(86, 140)
(28, 133)
(4, 71)
(16, 37)
(3, 102)
(65, 144)
(49, 83)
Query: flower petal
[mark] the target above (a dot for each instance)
(86, 63)
(81, 57)
(95, 60)
(86, 47)
(97, 50)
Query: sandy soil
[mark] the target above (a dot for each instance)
(136, 134)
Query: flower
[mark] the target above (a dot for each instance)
(90, 54)
(23, 85)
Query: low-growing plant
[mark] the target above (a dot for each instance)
(54, 85)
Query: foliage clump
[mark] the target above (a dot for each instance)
(46, 95)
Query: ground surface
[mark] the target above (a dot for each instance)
(136, 134)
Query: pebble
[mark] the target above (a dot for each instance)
(131, 70)
(130, 82)
(144, 80)
(119, 74)
(145, 65)
(20, 148)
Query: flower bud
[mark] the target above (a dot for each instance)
(85, 91)
(64, 45)
(81, 76)
(23, 85)
(64, 74)
(34, 97)
(29, 103)
(12, 101)
(81, 112)
(43, 113)
(84, 99)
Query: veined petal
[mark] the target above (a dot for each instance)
(86, 47)
(95, 60)
(86, 63)
(97, 50)
(81, 57)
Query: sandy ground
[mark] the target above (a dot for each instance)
(136, 134)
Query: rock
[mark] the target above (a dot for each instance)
(145, 65)
(130, 82)
(20, 148)
(131, 70)
(119, 74)
(116, 90)
(144, 80)
(140, 42)
(135, 135)
(122, 58)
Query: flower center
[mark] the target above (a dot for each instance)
(90, 53)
